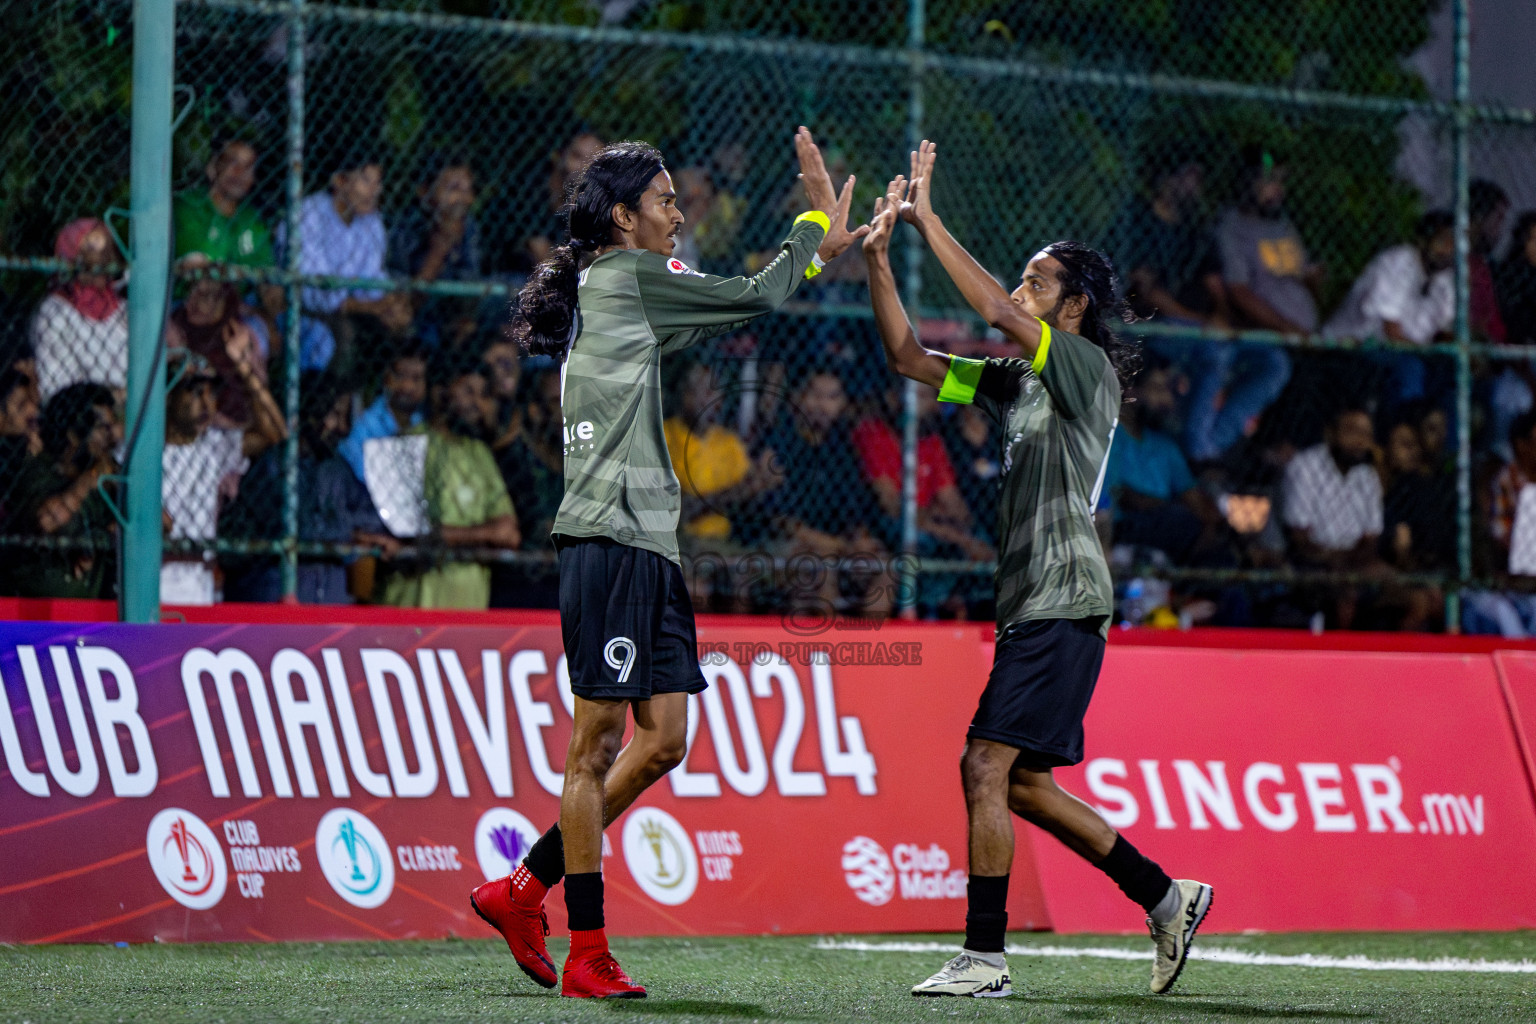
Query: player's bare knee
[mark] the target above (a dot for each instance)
(982, 770)
(594, 754)
(667, 754)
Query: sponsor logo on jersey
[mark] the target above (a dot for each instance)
(677, 266)
(660, 856)
(354, 858)
(502, 839)
(187, 858)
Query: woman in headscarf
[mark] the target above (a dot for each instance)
(205, 323)
(80, 332)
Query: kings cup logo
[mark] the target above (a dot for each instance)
(354, 858)
(867, 870)
(502, 839)
(660, 856)
(186, 858)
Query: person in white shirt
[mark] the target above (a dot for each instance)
(1332, 505)
(80, 332)
(1406, 294)
(202, 463)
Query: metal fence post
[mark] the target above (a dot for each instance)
(154, 71)
(1460, 144)
(907, 578)
(292, 327)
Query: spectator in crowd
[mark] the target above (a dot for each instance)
(1510, 614)
(1406, 294)
(1267, 278)
(504, 369)
(210, 322)
(57, 496)
(712, 220)
(341, 234)
(563, 163)
(214, 226)
(1332, 505)
(1167, 254)
(942, 514)
(467, 502)
(438, 239)
(532, 466)
(334, 506)
(1488, 207)
(202, 463)
(1148, 485)
(19, 420)
(823, 509)
(1513, 387)
(711, 461)
(397, 410)
(80, 332)
(1419, 510)
(1515, 281)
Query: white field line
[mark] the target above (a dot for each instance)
(1444, 964)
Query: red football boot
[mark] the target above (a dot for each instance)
(514, 906)
(591, 972)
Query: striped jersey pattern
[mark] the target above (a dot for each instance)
(634, 307)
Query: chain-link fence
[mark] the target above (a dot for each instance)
(1327, 428)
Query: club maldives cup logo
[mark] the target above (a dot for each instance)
(354, 858)
(867, 870)
(502, 839)
(186, 858)
(660, 856)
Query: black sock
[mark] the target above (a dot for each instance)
(546, 858)
(986, 914)
(1139, 878)
(584, 900)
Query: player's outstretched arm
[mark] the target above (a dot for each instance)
(980, 288)
(903, 353)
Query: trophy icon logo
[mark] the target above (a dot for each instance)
(186, 858)
(660, 856)
(655, 836)
(355, 858)
(502, 839)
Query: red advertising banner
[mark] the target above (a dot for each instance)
(242, 782)
(1314, 790)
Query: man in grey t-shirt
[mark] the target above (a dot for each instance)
(1267, 278)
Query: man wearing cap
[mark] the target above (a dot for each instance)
(202, 464)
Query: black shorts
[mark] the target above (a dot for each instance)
(626, 621)
(1043, 676)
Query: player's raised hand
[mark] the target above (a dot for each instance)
(818, 189)
(878, 242)
(917, 200)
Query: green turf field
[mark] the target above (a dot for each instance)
(765, 979)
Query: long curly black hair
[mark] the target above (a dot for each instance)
(545, 310)
(1089, 273)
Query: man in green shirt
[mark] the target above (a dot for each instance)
(467, 502)
(215, 225)
(610, 304)
(1058, 406)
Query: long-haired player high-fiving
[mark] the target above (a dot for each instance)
(610, 304)
(1057, 406)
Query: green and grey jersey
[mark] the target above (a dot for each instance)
(635, 306)
(1058, 414)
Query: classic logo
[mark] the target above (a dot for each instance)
(867, 870)
(660, 856)
(186, 858)
(502, 839)
(354, 858)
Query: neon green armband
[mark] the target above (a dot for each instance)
(960, 382)
(817, 217)
(1038, 363)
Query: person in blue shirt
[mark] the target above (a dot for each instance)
(397, 409)
(1148, 485)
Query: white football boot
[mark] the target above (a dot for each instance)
(967, 976)
(1172, 940)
